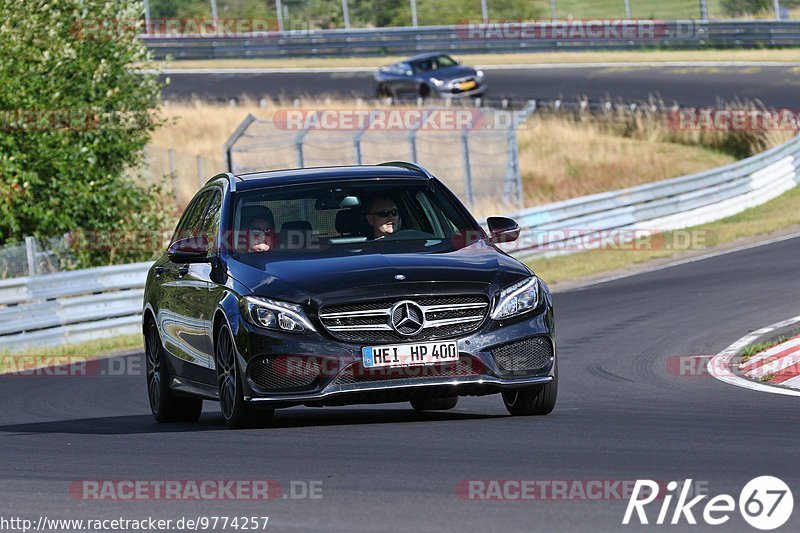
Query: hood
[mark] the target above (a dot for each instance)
(451, 73)
(294, 278)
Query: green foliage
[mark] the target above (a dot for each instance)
(737, 8)
(74, 117)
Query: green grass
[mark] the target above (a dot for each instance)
(777, 214)
(68, 353)
(640, 9)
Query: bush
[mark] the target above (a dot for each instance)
(74, 118)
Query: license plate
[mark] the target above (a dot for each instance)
(466, 86)
(398, 355)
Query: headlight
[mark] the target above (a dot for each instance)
(517, 299)
(437, 82)
(272, 314)
(479, 74)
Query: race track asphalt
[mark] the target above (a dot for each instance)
(621, 415)
(775, 86)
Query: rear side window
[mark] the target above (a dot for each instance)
(190, 223)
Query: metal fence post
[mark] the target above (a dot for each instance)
(173, 173)
(30, 252)
(467, 166)
(279, 12)
(358, 135)
(552, 9)
(513, 182)
(776, 4)
(627, 9)
(227, 153)
(484, 12)
(201, 172)
(703, 10)
(414, 13)
(214, 14)
(346, 14)
(298, 147)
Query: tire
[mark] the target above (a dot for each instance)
(532, 401)
(434, 404)
(382, 91)
(424, 91)
(238, 413)
(165, 406)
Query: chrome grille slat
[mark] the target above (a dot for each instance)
(444, 316)
(350, 314)
(361, 327)
(446, 307)
(451, 321)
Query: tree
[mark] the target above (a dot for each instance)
(75, 116)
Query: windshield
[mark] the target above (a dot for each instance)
(434, 63)
(350, 217)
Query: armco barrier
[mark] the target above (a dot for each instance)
(83, 305)
(457, 39)
(71, 307)
(665, 205)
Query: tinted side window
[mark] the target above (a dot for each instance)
(209, 226)
(189, 225)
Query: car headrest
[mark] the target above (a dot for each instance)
(349, 221)
(251, 212)
(296, 225)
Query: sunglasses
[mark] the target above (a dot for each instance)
(386, 213)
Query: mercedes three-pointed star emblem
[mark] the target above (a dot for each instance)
(407, 318)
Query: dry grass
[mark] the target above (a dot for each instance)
(68, 353)
(559, 157)
(562, 158)
(548, 58)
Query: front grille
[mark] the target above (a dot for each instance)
(524, 356)
(370, 322)
(285, 373)
(356, 373)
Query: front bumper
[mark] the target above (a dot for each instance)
(340, 379)
(444, 92)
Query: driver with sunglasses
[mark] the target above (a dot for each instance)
(383, 216)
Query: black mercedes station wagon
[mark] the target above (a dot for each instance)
(339, 286)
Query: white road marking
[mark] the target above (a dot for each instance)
(719, 365)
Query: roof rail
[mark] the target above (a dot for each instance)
(226, 175)
(409, 166)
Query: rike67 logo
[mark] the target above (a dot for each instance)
(765, 503)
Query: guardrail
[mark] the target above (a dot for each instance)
(71, 307)
(466, 39)
(84, 305)
(662, 206)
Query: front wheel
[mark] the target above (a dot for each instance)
(235, 410)
(532, 401)
(165, 406)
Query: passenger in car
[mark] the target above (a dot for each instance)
(383, 216)
(259, 234)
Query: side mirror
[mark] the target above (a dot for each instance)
(502, 229)
(189, 250)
